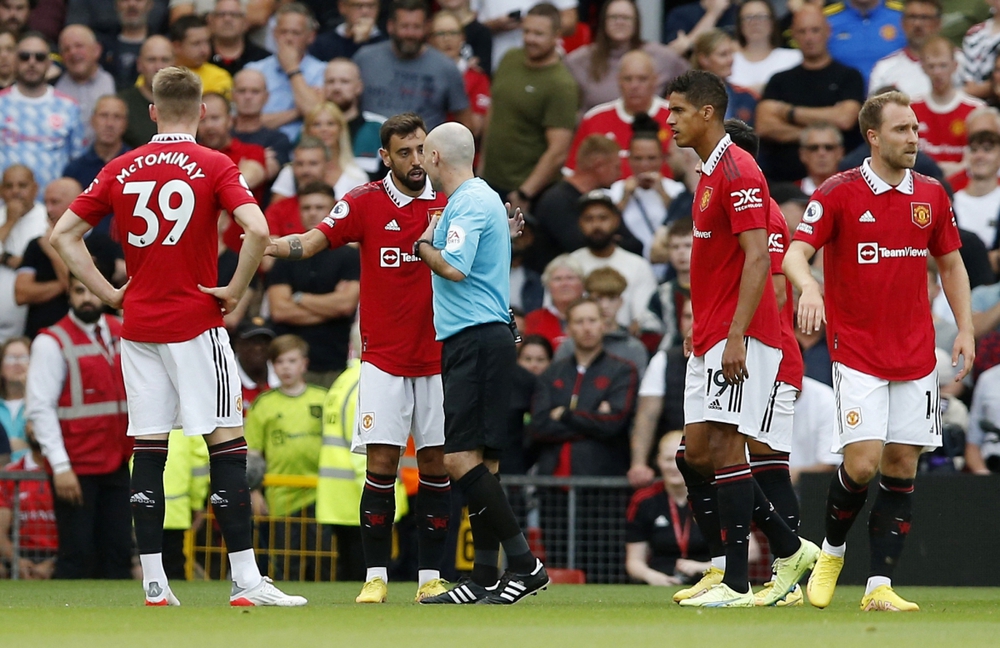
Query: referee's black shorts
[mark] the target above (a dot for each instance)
(477, 368)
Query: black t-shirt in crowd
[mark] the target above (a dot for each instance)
(814, 89)
(650, 519)
(250, 54)
(319, 275)
(103, 249)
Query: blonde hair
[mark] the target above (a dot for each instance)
(605, 281)
(705, 44)
(177, 94)
(870, 117)
(284, 343)
(345, 154)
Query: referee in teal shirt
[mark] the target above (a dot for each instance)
(468, 251)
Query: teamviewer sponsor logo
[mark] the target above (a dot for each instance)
(390, 257)
(867, 252)
(747, 198)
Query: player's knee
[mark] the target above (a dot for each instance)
(861, 469)
(900, 462)
(382, 459)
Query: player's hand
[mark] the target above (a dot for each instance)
(812, 312)
(227, 301)
(515, 220)
(640, 476)
(660, 579)
(118, 296)
(68, 488)
(965, 346)
(272, 247)
(428, 234)
(688, 345)
(734, 361)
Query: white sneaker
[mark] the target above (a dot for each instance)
(157, 596)
(263, 593)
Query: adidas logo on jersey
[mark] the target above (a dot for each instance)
(714, 405)
(140, 498)
(392, 226)
(217, 500)
(866, 217)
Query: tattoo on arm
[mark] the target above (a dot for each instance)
(295, 248)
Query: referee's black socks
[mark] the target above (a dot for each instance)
(486, 499)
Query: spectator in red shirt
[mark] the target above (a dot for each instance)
(985, 118)
(308, 161)
(39, 539)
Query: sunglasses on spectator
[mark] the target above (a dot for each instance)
(816, 147)
(26, 56)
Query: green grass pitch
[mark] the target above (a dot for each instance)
(71, 614)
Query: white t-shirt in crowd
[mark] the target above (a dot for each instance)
(654, 381)
(978, 214)
(645, 211)
(753, 74)
(350, 177)
(637, 272)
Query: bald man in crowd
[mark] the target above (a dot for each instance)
(84, 79)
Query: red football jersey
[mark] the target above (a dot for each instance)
(237, 151)
(732, 198)
(942, 127)
(397, 319)
(166, 197)
(37, 515)
(876, 239)
(611, 120)
(791, 368)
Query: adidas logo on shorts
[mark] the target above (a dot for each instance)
(714, 405)
(140, 498)
(217, 500)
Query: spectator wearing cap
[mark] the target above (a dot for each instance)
(821, 148)
(600, 220)
(557, 210)
(605, 286)
(250, 344)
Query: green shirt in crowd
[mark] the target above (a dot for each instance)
(288, 431)
(526, 102)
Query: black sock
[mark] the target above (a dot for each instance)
(378, 509)
(889, 524)
(485, 570)
(230, 494)
(148, 505)
(704, 505)
(735, 493)
(844, 501)
(486, 499)
(433, 508)
(771, 473)
(782, 540)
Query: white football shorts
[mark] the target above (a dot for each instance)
(392, 408)
(194, 385)
(776, 427)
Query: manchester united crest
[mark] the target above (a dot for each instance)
(706, 197)
(367, 421)
(853, 417)
(921, 214)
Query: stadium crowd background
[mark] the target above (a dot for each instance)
(566, 102)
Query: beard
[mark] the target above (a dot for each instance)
(411, 183)
(598, 241)
(87, 313)
(407, 48)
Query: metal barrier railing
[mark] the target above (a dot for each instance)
(15, 477)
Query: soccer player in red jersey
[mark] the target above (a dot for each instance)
(877, 224)
(400, 393)
(177, 362)
(735, 343)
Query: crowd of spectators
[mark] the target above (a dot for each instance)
(566, 103)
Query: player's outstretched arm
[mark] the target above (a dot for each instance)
(955, 282)
(796, 268)
(255, 237)
(67, 239)
(297, 246)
